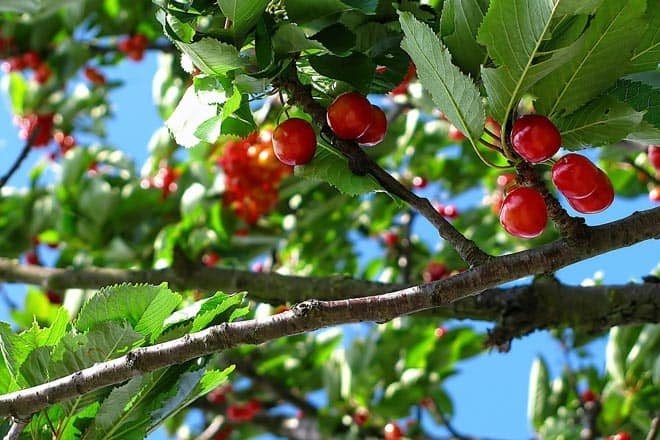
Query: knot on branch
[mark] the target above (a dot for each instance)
(306, 308)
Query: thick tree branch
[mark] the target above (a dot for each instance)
(315, 314)
(360, 163)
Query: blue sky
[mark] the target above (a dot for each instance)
(490, 394)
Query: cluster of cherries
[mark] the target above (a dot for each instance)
(164, 180)
(586, 187)
(654, 158)
(350, 116)
(236, 412)
(134, 46)
(252, 175)
(28, 60)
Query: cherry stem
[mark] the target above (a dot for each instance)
(21, 157)
(569, 227)
(491, 134)
(488, 162)
(487, 144)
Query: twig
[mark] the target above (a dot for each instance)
(21, 157)
(16, 429)
(655, 428)
(361, 164)
(643, 170)
(406, 246)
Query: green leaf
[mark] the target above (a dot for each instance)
(612, 35)
(191, 386)
(98, 200)
(113, 412)
(289, 38)
(615, 354)
(539, 391)
(144, 306)
(14, 349)
(513, 32)
(644, 351)
(211, 56)
(640, 96)
(459, 25)
(244, 15)
(17, 88)
(646, 134)
(337, 38)
(356, 69)
(603, 121)
(333, 169)
(453, 93)
(301, 11)
(20, 6)
(214, 306)
(646, 55)
(189, 114)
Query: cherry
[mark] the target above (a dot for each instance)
(32, 258)
(402, 88)
(224, 433)
(597, 201)
(29, 123)
(42, 73)
(281, 309)
(54, 297)
(31, 59)
(496, 202)
(503, 180)
(361, 416)
(621, 436)
(420, 182)
(13, 64)
(575, 176)
(134, 46)
(494, 126)
(349, 115)
(294, 142)
(94, 76)
(440, 332)
(219, 394)
(65, 141)
(654, 156)
(210, 259)
(524, 213)
(588, 396)
(392, 431)
(535, 138)
(435, 271)
(654, 194)
(390, 238)
(455, 134)
(450, 212)
(377, 129)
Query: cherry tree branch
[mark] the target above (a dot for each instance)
(16, 429)
(21, 157)
(315, 314)
(361, 164)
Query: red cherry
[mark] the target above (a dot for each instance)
(622, 436)
(281, 309)
(361, 416)
(390, 238)
(524, 213)
(377, 130)
(455, 134)
(13, 64)
(392, 431)
(494, 126)
(239, 413)
(420, 182)
(349, 115)
(210, 259)
(32, 258)
(434, 271)
(597, 201)
(31, 59)
(440, 332)
(294, 142)
(402, 88)
(42, 73)
(254, 405)
(654, 194)
(94, 76)
(450, 212)
(575, 176)
(503, 180)
(139, 41)
(54, 297)
(654, 156)
(224, 433)
(496, 202)
(29, 123)
(535, 138)
(588, 396)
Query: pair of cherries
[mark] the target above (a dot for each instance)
(350, 116)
